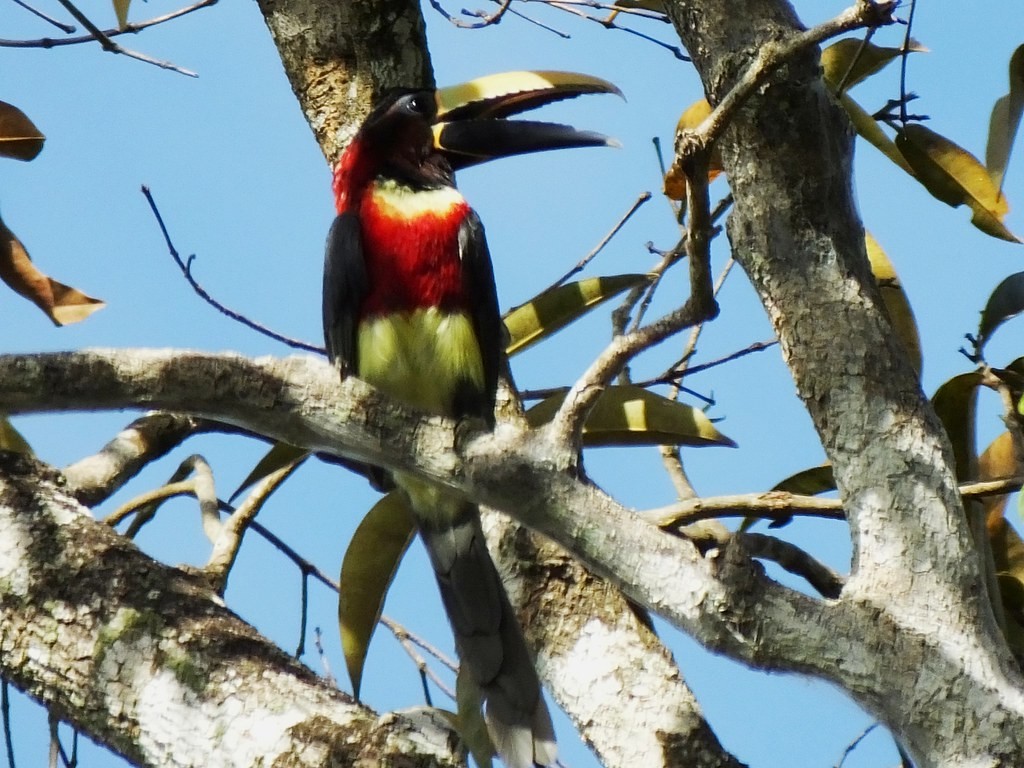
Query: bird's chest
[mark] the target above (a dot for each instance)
(411, 248)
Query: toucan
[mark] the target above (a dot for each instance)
(410, 306)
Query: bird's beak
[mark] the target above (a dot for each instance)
(471, 125)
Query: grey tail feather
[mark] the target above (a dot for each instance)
(489, 639)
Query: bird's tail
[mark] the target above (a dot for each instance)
(487, 634)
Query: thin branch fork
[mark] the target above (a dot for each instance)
(698, 141)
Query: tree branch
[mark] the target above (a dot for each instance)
(130, 650)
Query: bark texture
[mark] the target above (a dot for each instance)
(146, 659)
(795, 231)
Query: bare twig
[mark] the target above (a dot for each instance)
(145, 501)
(5, 714)
(318, 642)
(905, 57)
(186, 270)
(109, 45)
(864, 13)
(229, 537)
(853, 744)
(485, 20)
(130, 28)
(65, 28)
(405, 640)
(582, 263)
(679, 370)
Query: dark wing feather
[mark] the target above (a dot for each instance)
(478, 279)
(345, 286)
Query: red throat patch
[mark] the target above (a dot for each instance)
(411, 248)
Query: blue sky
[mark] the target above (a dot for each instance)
(242, 184)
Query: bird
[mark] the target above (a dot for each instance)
(410, 306)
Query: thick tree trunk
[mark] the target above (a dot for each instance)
(952, 693)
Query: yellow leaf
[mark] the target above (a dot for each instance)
(62, 303)
(121, 10)
(1006, 115)
(999, 460)
(367, 570)
(954, 403)
(11, 439)
(629, 415)
(897, 306)
(865, 60)
(279, 456)
(19, 138)
(954, 176)
(674, 186)
(552, 310)
(869, 130)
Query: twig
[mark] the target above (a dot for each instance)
(130, 28)
(676, 372)
(110, 46)
(774, 505)
(65, 28)
(771, 56)
(853, 744)
(485, 21)
(231, 531)
(318, 642)
(790, 557)
(303, 615)
(5, 713)
(404, 638)
(582, 263)
(186, 270)
(153, 497)
(905, 57)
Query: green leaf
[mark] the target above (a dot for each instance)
(897, 305)
(1006, 301)
(629, 415)
(367, 570)
(278, 457)
(954, 402)
(866, 60)
(869, 130)
(19, 138)
(470, 721)
(1006, 115)
(954, 176)
(11, 439)
(552, 310)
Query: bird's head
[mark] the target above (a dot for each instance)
(420, 136)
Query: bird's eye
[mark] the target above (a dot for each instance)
(417, 103)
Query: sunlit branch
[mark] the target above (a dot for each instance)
(781, 505)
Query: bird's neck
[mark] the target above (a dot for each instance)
(411, 246)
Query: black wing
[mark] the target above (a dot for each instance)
(478, 278)
(345, 286)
